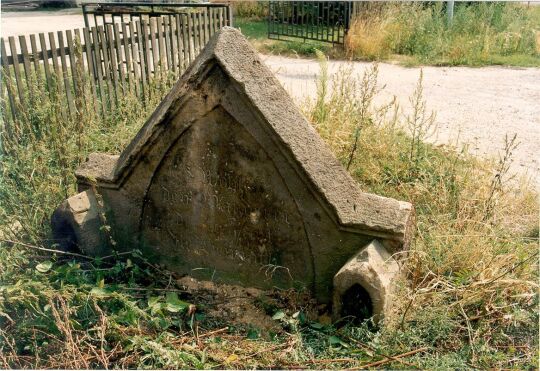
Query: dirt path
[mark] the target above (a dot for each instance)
(475, 106)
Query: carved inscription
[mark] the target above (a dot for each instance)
(217, 201)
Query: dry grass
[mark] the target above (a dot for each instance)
(370, 38)
(475, 256)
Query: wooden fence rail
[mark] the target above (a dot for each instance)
(117, 57)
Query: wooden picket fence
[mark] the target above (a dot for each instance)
(117, 58)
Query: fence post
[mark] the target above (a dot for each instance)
(72, 63)
(109, 35)
(46, 67)
(97, 65)
(26, 64)
(168, 44)
(191, 37)
(450, 11)
(16, 68)
(90, 65)
(146, 43)
(65, 77)
(154, 46)
(134, 57)
(106, 66)
(119, 57)
(35, 56)
(127, 55)
(229, 16)
(8, 83)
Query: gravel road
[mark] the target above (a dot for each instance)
(474, 106)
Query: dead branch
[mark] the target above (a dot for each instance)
(384, 361)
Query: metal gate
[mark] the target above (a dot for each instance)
(110, 12)
(326, 21)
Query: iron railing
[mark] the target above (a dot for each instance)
(326, 21)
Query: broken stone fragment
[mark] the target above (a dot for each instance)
(364, 286)
(76, 225)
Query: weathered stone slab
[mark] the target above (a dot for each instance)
(227, 180)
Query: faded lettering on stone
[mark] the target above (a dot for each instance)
(230, 202)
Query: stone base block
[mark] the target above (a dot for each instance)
(363, 287)
(76, 225)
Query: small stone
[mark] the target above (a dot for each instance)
(372, 271)
(76, 225)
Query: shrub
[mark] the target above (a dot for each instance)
(250, 9)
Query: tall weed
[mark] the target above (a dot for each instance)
(473, 266)
(44, 144)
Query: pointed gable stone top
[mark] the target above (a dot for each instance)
(228, 173)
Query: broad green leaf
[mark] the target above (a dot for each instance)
(172, 297)
(173, 304)
(253, 334)
(177, 307)
(155, 304)
(279, 315)
(156, 308)
(152, 300)
(316, 325)
(44, 267)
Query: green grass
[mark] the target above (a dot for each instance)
(257, 32)
(469, 298)
(417, 34)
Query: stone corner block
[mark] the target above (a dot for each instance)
(366, 283)
(76, 225)
(99, 167)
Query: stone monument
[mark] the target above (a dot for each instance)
(228, 181)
